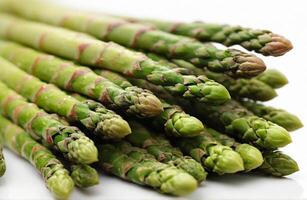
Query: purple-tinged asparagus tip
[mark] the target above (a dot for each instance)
(277, 47)
(250, 65)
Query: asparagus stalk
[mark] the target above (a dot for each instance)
(89, 51)
(173, 120)
(71, 77)
(255, 88)
(251, 156)
(281, 117)
(2, 162)
(55, 175)
(141, 37)
(70, 141)
(214, 157)
(231, 118)
(273, 78)
(260, 41)
(84, 175)
(139, 167)
(96, 118)
(163, 151)
(277, 163)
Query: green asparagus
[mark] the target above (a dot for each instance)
(273, 78)
(142, 168)
(173, 120)
(70, 141)
(140, 37)
(277, 163)
(213, 156)
(261, 41)
(231, 118)
(163, 151)
(55, 175)
(71, 77)
(251, 156)
(240, 88)
(84, 175)
(89, 51)
(97, 119)
(281, 117)
(2, 162)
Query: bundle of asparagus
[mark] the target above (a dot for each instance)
(166, 90)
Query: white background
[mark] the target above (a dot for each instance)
(288, 18)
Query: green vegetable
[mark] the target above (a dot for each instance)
(2, 162)
(94, 117)
(84, 175)
(140, 37)
(261, 41)
(281, 117)
(239, 88)
(273, 78)
(89, 51)
(163, 151)
(173, 120)
(137, 166)
(213, 156)
(251, 156)
(277, 163)
(231, 118)
(55, 175)
(71, 77)
(68, 140)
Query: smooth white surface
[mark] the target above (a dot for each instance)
(286, 17)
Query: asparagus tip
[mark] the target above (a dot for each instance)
(114, 127)
(146, 104)
(277, 47)
(249, 65)
(181, 184)
(287, 120)
(215, 93)
(83, 150)
(278, 164)
(223, 160)
(251, 156)
(188, 126)
(84, 176)
(277, 136)
(61, 184)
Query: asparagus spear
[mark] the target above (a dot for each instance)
(251, 156)
(141, 37)
(260, 41)
(281, 117)
(55, 175)
(163, 151)
(2, 161)
(141, 168)
(84, 175)
(231, 118)
(71, 77)
(70, 141)
(89, 51)
(213, 156)
(173, 120)
(273, 78)
(255, 88)
(277, 163)
(94, 117)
